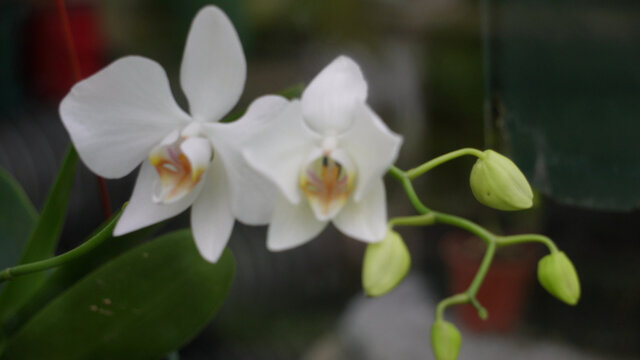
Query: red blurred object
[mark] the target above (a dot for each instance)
(505, 289)
(47, 64)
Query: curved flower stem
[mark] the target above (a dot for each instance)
(25, 269)
(77, 76)
(417, 171)
(469, 296)
(524, 238)
(457, 299)
(404, 180)
(428, 217)
(418, 220)
(465, 224)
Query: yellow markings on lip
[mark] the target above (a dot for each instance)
(327, 186)
(176, 175)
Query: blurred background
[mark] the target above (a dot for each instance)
(553, 84)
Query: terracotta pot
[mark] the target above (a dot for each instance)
(505, 289)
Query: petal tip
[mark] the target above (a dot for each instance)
(212, 258)
(121, 229)
(275, 246)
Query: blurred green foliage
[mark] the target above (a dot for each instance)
(142, 305)
(564, 84)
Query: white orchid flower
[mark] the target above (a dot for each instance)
(327, 154)
(126, 115)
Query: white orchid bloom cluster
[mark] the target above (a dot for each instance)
(295, 165)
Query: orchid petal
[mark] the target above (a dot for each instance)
(292, 225)
(213, 68)
(365, 220)
(372, 146)
(328, 103)
(118, 115)
(253, 196)
(279, 151)
(142, 210)
(211, 218)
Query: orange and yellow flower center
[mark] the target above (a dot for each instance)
(326, 185)
(177, 173)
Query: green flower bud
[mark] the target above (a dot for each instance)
(498, 183)
(385, 264)
(558, 276)
(445, 340)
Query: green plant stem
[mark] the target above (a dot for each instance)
(428, 217)
(457, 299)
(404, 180)
(482, 270)
(524, 238)
(467, 225)
(417, 171)
(418, 220)
(26, 269)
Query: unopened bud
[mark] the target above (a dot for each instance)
(445, 340)
(385, 264)
(558, 276)
(498, 183)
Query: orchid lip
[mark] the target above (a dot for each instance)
(327, 182)
(180, 165)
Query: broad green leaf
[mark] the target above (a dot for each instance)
(49, 289)
(71, 266)
(17, 216)
(141, 305)
(69, 273)
(44, 238)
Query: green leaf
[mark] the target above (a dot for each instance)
(44, 238)
(69, 273)
(142, 305)
(17, 216)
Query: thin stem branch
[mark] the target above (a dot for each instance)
(77, 76)
(469, 296)
(42, 265)
(429, 217)
(417, 171)
(457, 299)
(524, 238)
(404, 180)
(417, 220)
(465, 224)
(482, 270)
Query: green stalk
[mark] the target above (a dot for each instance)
(404, 180)
(525, 238)
(26, 269)
(417, 171)
(428, 217)
(467, 225)
(418, 220)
